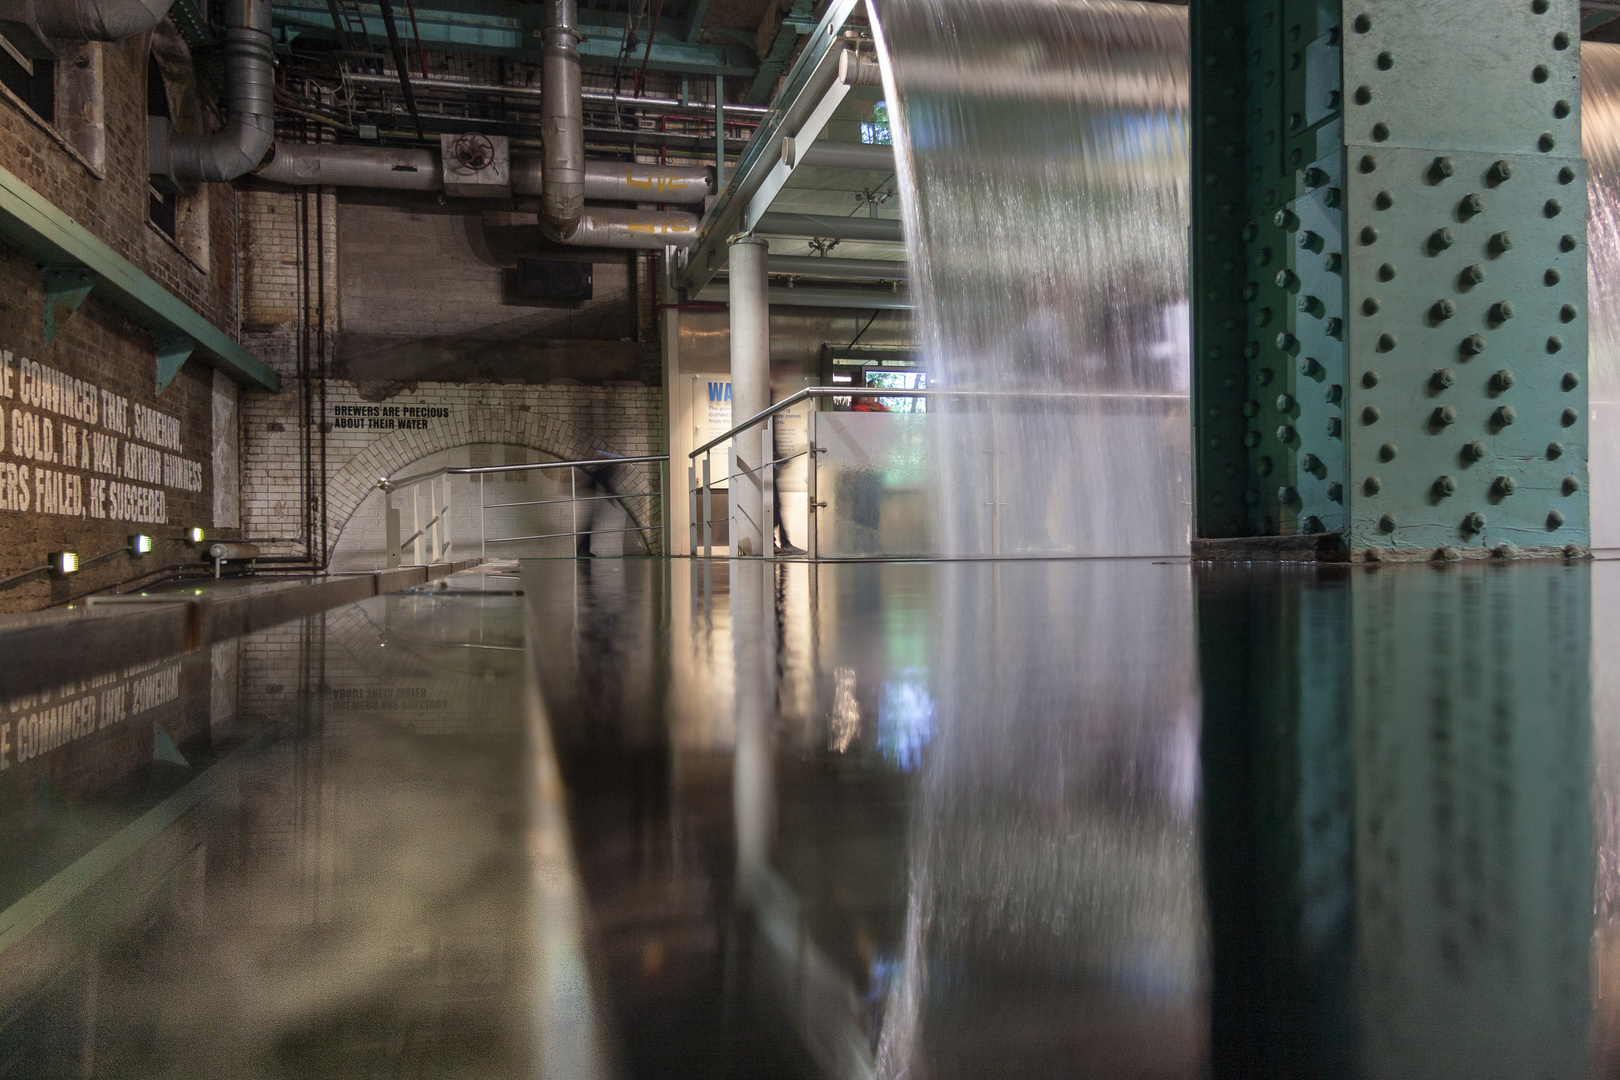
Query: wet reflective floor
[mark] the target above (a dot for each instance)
(1062, 819)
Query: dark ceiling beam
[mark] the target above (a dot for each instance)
(509, 29)
(794, 24)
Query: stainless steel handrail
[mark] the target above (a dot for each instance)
(810, 392)
(439, 479)
(473, 470)
(804, 395)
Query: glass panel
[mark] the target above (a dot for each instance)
(874, 476)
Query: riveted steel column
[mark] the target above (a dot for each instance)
(1267, 267)
(1465, 201)
(1390, 274)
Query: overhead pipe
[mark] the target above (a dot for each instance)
(642, 230)
(830, 155)
(815, 266)
(308, 164)
(238, 147)
(622, 181)
(594, 97)
(392, 169)
(80, 20)
(562, 123)
(830, 226)
(859, 299)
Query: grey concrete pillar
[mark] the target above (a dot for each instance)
(750, 390)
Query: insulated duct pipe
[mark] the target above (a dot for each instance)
(81, 20)
(238, 147)
(622, 181)
(562, 123)
(391, 169)
(303, 164)
(610, 227)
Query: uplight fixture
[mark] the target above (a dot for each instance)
(64, 563)
(140, 544)
(195, 535)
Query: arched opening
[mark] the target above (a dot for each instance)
(488, 512)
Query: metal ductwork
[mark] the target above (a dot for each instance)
(392, 169)
(562, 124)
(622, 181)
(610, 227)
(302, 164)
(41, 22)
(238, 147)
(857, 70)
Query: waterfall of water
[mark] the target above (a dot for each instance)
(1042, 155)
(1600, 141)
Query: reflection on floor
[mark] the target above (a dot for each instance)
(1078, 819)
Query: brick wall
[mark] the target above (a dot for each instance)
(326, 281)
(102, 347)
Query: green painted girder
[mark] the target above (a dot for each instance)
(30, 223)
(694, 25)
(1389, 274)
(515, 30)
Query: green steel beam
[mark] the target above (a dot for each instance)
(1594, 19)
(694, 27)
(31, 224)
(515, 30)
(1389, 275)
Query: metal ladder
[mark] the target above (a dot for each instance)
(350, 25)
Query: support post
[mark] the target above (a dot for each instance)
(390, 530)
(692, 507)
(812, 518)
(416, 524)
(750, 387)
(1389, 275)
(708, 511)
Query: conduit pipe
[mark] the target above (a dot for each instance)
(562, 123)
(393, 169)
(82, 20)
(238, 147)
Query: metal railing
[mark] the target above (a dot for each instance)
(701, 483)
(428, 493)
(701, 495)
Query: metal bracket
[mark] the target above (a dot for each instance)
(65, 290)
(173, 350)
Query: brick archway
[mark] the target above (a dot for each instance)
(478, 425)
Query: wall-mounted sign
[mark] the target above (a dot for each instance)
(73, 449)
(711, 418)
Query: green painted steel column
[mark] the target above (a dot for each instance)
(1389, 274)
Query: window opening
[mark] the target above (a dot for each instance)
(34, 81)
